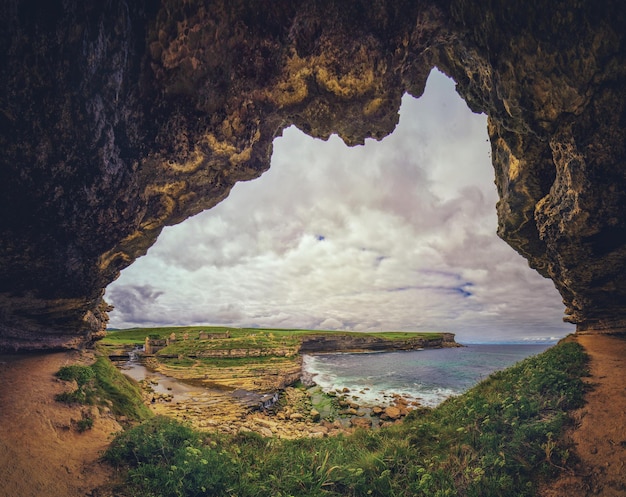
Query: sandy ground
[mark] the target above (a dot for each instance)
(600, 435)
(42, 454)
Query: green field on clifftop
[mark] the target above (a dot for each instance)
(240, 338)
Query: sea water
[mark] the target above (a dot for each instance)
(427, 376)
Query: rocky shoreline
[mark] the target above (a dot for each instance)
(299, 412)
(264, 393)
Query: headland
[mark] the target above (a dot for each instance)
(234, 379)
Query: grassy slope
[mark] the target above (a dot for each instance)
(500, 438)
(101, 383)
(123, 393)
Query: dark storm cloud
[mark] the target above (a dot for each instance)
(133, 302)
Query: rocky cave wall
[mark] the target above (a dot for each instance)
(119, 118)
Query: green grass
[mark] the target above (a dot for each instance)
(240, 338)
(84, 424)
(123, 393)
(179, 363)
(501, 438)
(101, 383)
(211, 362)
(83, 376)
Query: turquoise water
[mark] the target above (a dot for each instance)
(428, 376)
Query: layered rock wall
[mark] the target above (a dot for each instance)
(333, 343)
(119, 118)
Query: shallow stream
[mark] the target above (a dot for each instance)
(181, 390)
(159, 382)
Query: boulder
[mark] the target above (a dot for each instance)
(392, 412)
(361, 423)
(319, 429)
(266, 432)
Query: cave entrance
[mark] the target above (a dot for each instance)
(393, 235)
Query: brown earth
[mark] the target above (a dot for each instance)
(41, 452)
(599, 437)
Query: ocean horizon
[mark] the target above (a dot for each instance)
(427, 376)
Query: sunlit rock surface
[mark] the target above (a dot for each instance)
(119, 118)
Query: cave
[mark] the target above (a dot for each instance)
(119, 119)
(389, 235)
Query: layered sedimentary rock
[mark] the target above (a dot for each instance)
(119, 118)
(336, 342)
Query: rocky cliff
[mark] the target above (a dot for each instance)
(337, 342)
(119, 118)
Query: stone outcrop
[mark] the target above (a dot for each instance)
(355, 342)
(119, 118)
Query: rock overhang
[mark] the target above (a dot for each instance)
(120, 119)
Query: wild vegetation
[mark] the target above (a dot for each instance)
(101, 383)
(502, 437)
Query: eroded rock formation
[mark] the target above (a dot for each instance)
(353, 342)
(119, 118)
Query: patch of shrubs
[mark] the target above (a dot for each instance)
(101, 383)
(84, 424)
(82, 375)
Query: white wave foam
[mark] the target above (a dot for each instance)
(372, 390)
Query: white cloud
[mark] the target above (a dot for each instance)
(393, 235)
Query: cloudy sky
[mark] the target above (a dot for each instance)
(394, 235)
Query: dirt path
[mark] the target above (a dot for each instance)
(41, 453)
(600, 438)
